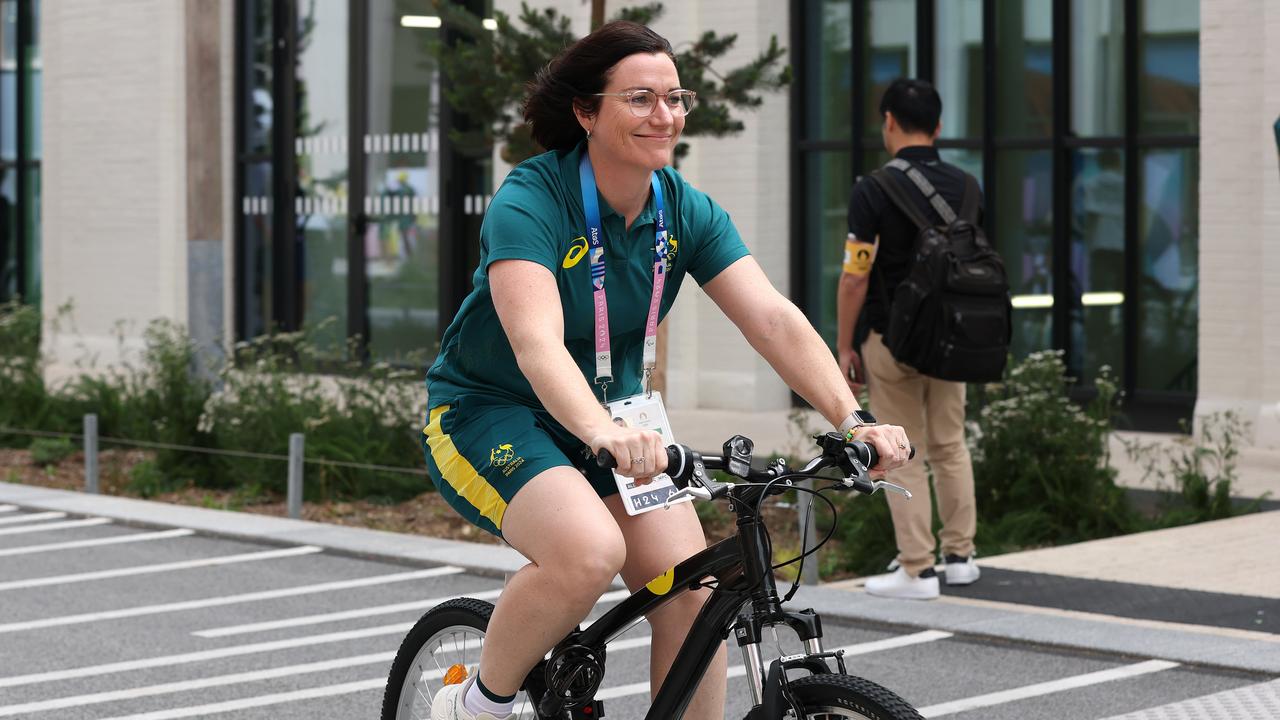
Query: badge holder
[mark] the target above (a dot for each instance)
(644, 411)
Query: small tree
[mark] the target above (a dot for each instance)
(486, 72)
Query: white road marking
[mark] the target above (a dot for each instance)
(43, 527)
(227, 599)
(162, 567)
(361, 613)
(246, 677)
(336, 616)
(136, 537)
(202, 655)
(259, 701)
(379, 683)
(32, 517)
(198, 684)
(8, 508)
(736, 671)
(1045, 688)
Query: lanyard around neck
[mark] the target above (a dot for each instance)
(595, 238)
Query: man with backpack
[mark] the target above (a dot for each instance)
(927, 297)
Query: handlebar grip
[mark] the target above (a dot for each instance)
(606, 460)
(873, 456)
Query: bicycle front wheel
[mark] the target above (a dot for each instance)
(442, 648)
(845, 697)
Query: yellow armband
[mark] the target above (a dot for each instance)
(858, 256)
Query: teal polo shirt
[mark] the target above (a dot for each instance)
(537, 215)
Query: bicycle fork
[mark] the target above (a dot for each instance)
(747, 630)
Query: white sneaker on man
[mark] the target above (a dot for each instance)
(447, 705)
(961, 570)
(899, 585)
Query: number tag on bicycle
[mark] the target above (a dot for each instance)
(646, 412)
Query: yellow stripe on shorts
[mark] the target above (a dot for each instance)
(457, 471)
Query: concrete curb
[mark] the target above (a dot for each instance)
(1051, 630)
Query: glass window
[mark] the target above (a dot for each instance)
(1024, 237)
(32, 291)
(829, 81)
(8, 80)
(257, 103)
(958, 71)
(255, 259)
(8, 233)
(968, 160)
(1167, 299)
(1097, 68)
(1097, 261)
(321, 149)
(890, 37)
(33, 100)
(402, 174)
(1170, 74)
(827, 209)
(1024, 66)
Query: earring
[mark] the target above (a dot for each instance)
(588, 136)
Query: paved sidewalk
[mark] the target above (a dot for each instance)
(1215, 587)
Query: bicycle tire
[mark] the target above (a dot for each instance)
(846, 697)
(452, 618)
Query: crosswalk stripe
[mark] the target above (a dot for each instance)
(259, 701)
(360, 613)
(197, 684)
(378, 683)
(45, 527)
(202, 603)
(1045, 688)
(70, 545)
(162, 567)
(337, 616)
(32, 517)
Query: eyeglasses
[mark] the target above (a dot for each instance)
(643, 102)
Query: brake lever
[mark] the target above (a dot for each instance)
(701, 493)
(890, 487)
(867, 486)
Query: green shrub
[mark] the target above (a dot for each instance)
(1041, 461)
(147, 480)
(50, 451)
(1195, 474)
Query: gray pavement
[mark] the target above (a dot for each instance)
(1180, 642)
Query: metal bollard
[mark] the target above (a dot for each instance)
(296, 442)
(91, 453)
(804, 501)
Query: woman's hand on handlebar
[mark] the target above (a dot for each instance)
(890, 442)
(640, 454)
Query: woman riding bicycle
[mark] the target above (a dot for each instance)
(538, 348)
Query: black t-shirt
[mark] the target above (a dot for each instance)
(872, 213)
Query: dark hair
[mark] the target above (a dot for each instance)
(578, 71)
(915, 104)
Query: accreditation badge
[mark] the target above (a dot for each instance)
(644, 411)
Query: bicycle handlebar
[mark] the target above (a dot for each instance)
(683, 465)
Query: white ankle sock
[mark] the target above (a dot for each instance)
(475, 702)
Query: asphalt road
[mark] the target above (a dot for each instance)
(100, 620)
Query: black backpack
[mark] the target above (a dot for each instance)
(950, 318)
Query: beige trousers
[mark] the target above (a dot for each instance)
(932, 413)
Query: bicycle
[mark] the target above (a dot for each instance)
(444, 645)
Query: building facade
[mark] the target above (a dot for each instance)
(239, 166)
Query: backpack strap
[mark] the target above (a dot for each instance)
(972, 194)
(901, 198)
(922, 183)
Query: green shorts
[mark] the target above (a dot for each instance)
(480, 453)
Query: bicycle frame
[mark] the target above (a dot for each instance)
(743, 569)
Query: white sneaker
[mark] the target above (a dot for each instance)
(961, 570)
(447, 705)
(899, 585)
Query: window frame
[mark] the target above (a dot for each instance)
(1147, 409)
